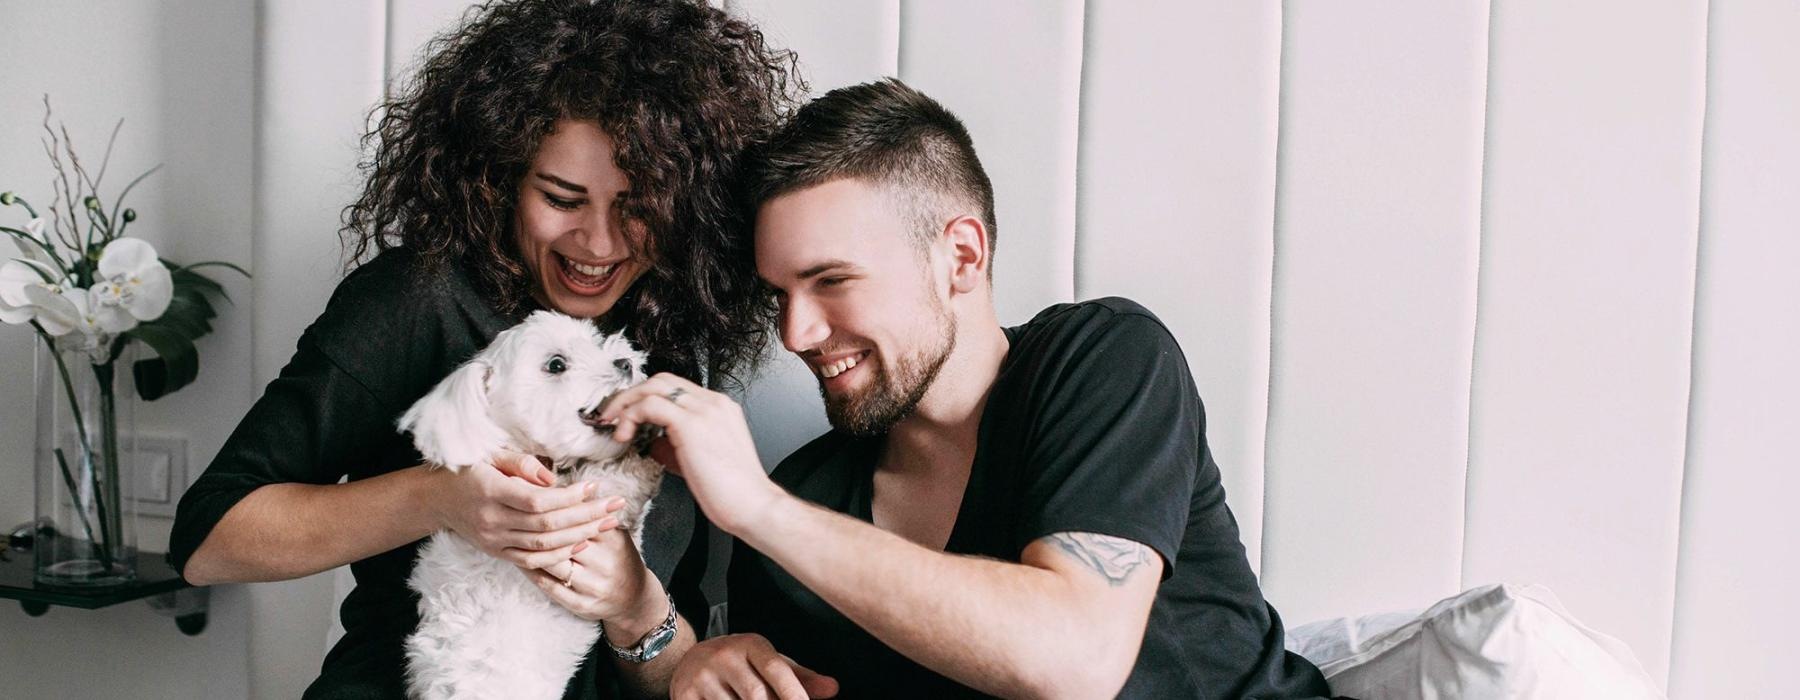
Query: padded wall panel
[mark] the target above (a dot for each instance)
(1377, 227)
(1176, 201)
(1735, 611)
(1012, 72)
(320, 71)
(320, 74)
(1586, 305)
(838, 44)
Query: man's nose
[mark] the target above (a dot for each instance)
(802, 326)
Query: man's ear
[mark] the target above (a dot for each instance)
(451, 425)
(965, 240)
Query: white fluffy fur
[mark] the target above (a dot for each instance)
(485, 630)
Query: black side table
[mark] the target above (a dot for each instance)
(155, 580)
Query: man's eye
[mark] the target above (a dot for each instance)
(556, 364)
(832, 281)
(560, 203)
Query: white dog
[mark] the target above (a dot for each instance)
(485, 630)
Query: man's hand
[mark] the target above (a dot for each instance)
(745, 666)
(710, 442)
(509, 511)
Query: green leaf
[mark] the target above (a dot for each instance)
(220, 263)
(186, 278)
(176, 365)
(184, 317)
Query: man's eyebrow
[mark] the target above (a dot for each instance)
(824, 267)
(559, 182)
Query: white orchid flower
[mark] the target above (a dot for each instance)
(35, 227)
(72, 321)
(15, 276)
(18, 274)
(30, 251)
(132, 286)
(59, 311)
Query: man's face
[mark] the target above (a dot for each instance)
(861, 304)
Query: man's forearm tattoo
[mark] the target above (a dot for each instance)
(1112, 557)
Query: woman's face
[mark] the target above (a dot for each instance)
(572, 233)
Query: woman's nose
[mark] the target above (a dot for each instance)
(600, 233)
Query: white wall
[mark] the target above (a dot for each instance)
(1474, 291)
(181, 75)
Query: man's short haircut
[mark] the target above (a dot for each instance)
(890, 135)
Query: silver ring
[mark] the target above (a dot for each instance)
(675, 396)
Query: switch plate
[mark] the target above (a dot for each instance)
(162, 473)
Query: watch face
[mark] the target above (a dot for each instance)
(658, 641)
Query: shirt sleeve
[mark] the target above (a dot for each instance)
(304, 429)
(1115, 442)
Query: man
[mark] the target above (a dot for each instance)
(1026, 511)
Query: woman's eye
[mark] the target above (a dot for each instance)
(556, 364)
(560, 203)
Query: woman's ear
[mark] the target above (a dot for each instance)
(451, 425)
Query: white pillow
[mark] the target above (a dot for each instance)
(1499, 641)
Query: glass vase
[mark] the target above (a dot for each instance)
(86, 514)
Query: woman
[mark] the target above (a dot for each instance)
(559, 154)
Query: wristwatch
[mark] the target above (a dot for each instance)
(651, 644)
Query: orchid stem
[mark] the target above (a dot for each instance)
(69, 481)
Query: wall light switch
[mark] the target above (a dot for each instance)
(162, 473)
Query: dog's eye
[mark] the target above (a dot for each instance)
(556, 364)
(623, 364)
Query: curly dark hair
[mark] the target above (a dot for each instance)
(682, 88)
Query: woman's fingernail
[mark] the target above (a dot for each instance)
(616, 503)
(609, 523)
(588, 490)
(578, 547)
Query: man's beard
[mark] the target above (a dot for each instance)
(891, 398)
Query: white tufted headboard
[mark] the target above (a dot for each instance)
(1474, 291)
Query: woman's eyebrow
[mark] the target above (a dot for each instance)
(559, 182)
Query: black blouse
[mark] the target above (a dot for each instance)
(392, 330)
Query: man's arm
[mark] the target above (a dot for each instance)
(1066, 621)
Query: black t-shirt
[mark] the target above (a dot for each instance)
(1092, 425)
(392, 330)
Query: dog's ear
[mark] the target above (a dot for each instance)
(451, 426)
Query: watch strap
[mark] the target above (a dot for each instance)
(651, 644)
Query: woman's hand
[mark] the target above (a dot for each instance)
(607, 582)
(510, 512)
(745, 666)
